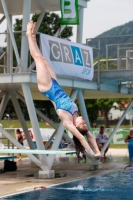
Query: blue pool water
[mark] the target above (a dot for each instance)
(114, 186)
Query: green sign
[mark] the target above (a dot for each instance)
(69, 12)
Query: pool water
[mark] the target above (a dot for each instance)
(113, 186)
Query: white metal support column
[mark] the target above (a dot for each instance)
(22, 120)
(4, 103)
(83, 108)
(117, 126)
(128, 59)
(34, 121)
(39, 21)
(9, 51)
(56, 143)
(24, 40)
(10, 31)
(80, 26)
(73, 94)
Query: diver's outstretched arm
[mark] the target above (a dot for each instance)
(93, 143)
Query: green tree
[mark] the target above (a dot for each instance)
(92, 110)
(105, 105)
(51, 24)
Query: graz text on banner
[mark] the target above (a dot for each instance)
(67, 58)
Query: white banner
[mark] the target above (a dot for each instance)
(67, 58)
(46, 133)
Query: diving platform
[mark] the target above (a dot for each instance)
(108, 87)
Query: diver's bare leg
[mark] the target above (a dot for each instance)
(43, 75)
(53, 75)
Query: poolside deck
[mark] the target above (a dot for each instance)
(25, 178)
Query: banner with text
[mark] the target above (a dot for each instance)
(67, 58)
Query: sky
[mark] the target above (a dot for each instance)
(99, 16)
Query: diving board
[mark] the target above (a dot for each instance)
(25, 151)
(7, 157)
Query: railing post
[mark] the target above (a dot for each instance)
(98, 60)
(118, 57)
(106, 57)
(8, 144)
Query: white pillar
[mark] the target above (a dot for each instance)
(10, 31)
(9, 51)
(80, 26)
(22, 120)
(4, 104)
(56, 143)
(83, 108)
(127, 59)
(33, 119)
(24, 40)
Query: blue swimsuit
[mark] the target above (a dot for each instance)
(60, 98)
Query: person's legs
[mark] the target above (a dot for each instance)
(84, 156)
(105, 152)
(19, 157)
(78, 157)
(44, 74)
(99, 146)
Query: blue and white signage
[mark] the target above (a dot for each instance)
(67, 58)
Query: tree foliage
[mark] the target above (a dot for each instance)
(51, 24)
(92, 109)
(104, 106)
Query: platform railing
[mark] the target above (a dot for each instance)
(113, 53)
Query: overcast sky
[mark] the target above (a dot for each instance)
(99, 16)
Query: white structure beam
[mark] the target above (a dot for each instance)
(24, 40)
(10, 31)
(9, 51)
(22, 120)
(34, 121)
(83, 108)
(80, 26)
(4, 103)
(117, 126)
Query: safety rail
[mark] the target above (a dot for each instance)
(115, 53)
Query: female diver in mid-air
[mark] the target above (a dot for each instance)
(65, 108)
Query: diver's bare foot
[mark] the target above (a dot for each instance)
(98, 154)
(29, 28)
(34, 30)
